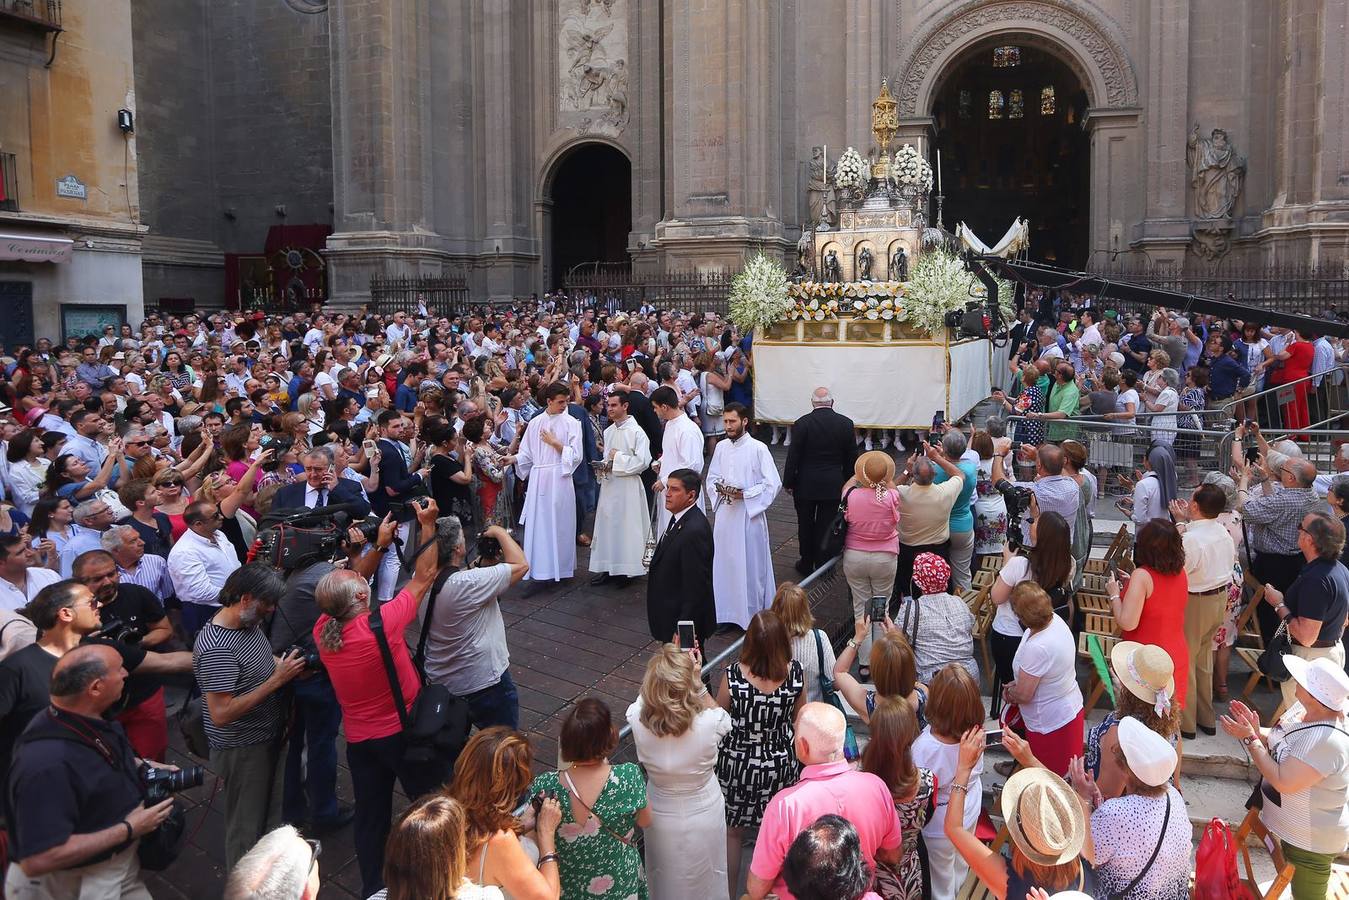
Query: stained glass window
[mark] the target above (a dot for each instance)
(1047, 104)
(966, 104)
(1016, 105)
(995, 104)
(1005, 57)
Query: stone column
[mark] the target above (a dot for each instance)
(723, 132)
(1165, 230)
(381, 145)
(1115, 139)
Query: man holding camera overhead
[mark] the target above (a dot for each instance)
(399, 482)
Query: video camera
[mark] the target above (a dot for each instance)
(292, 538)
(1017, 498)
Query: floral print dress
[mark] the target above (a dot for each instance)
(990, 512)
(592, 861)
(905, 881)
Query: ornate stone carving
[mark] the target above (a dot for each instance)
(1106, 53)
(1216, 173)
(592, 64)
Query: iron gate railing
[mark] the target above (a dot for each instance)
(445, 295)
(689, 292)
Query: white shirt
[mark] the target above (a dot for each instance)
(396, 333)
(1209, 555)
(11, 597)
(198, 567)
(1049, 654)
(1148, 499)
(311, 496)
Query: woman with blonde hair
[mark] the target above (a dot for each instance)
(811, 646)
(424, 858)
(677, 729)
(871, 547)
(889, 756)
(490, 775)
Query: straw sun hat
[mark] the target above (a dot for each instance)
(1044, 817)
(1146, 671)
(874, 468)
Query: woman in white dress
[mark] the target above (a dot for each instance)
(27, 469)
(677, 728)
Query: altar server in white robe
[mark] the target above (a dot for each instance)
(622, 519)
(549, 453)
(681, 447)
(742, 567)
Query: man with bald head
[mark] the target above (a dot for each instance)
(925, 525)
(828, 784)
(76, 813)
(819, 460)
(1273, 514)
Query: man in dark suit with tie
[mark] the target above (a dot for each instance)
(679, 581)
(322, 486)
(819, 460)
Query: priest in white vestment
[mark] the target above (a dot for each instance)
(549, 453)
(623, 518)
(741, 484)
(681, 447)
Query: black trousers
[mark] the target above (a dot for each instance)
(904, 566)
(1003, 649)
(813, 518)
(1280, 570)
(374, 765)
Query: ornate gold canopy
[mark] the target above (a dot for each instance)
(884, 118)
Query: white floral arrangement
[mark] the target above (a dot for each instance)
(851, 170)
(758, 295)
(820, 300)
(911, 169)
(939, 283)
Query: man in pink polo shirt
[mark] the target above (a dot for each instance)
(828, 785)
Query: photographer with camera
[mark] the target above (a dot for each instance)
(77, 806)
(66, 614)
(131, 614)
(310, 794)
(1052, 490)
(466, 646)
(240, 681)
(353, 658)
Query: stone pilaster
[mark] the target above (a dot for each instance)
(725, 178)
(1165, 229)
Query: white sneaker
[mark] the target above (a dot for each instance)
(867, 444)
(885, 440)
(786, 438)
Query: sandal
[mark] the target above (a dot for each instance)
(583, 540)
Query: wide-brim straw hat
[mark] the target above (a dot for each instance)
(1044, 817)
(874, 467)
(1143, 670)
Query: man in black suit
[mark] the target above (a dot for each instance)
(398, 483)
(819, 461)
(679, 581)
(322, 486)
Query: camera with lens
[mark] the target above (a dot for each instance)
(122, 632)
(160, 784)
(1017, 498)
(489, 550)
(310, 655)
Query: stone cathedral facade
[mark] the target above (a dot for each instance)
(518, 139)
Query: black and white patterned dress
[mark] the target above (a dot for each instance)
(756, 758)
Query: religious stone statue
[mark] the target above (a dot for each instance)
(1216, 173)
(805, 247)
(864, 261)
(833, 271)
(818, 192)
(899, 264)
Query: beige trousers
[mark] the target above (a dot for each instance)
(870, 573)
(118, 878)
(1204, 614)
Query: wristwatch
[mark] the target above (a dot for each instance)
(852, 642)
(1248, 741)
(1283, 607)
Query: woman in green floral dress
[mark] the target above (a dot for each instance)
(602, 808)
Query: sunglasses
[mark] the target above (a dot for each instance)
(170, 484)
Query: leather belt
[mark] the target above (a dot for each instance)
(1210, 593)
(1323, 645)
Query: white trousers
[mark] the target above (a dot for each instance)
(947, 867)
(387, 577)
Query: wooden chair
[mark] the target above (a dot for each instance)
(1250, 642)
(981, 605)
(973, 888)
(983, 578)
(1283, 869)
(1106, 630)
(991, 563)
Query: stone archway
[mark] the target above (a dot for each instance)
(587, 205)
(1091, 44)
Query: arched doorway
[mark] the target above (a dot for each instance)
(1008, 122)
(591, 212)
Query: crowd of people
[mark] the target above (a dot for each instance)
(148, 475)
